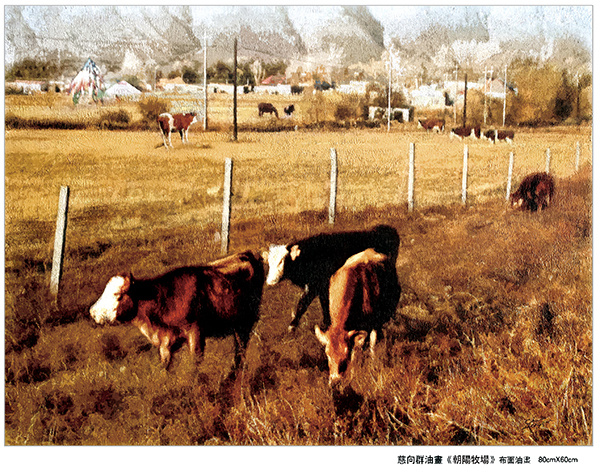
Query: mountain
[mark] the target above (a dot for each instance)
(132, 36)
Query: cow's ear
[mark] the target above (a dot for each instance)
(359, 337)
(322, 337)
(265, 255)
(294, 252)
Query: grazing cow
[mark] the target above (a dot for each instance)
(189, 303)
(268, 108)
(310, 262)
(494, 135)
(289, 110)
(363, 296)
(297, 89)
(462, 132)
(534, 193)
(431, 124)
(179, 122)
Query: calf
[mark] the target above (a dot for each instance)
(432, 124)
(268, 108)
(363, 296)
(189, 303)
(462, 132)
(534, 193)
(179, 122)
(310, 263)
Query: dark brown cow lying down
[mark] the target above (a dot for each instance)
(534, 193)
(363, 296)
(191, 303)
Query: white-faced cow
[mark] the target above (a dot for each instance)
(363, 296)
(463, 132)
(267, 107)
(178, 122)
(309, 263)
(431, 124)
(534, 193)
(189, 303)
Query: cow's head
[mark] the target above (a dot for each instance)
(517, 201)
(114, 301)
(339, 348)
(275, 258)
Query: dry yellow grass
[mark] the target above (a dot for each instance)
(492, 340)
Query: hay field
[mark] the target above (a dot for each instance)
(491, 344)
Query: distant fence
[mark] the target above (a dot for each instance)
(63, 206)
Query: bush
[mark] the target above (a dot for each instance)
(151, 107)
(115, 120)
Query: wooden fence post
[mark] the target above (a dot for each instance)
(225, 222)
(511, 162)
(333, 186)
(465, 174)
(548, 155)
(411, 177)
(59, 241)
(577, 156)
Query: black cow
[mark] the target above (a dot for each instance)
(289, 110)
(309, 263)
(268, 108)
(189, 303)
(534, 193)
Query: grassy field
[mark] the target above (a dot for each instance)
(491, 344)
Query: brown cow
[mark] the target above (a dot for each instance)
(463, 132)
(268, 108)
(534, 193)
(432, 124)
(179, 122)
(189, 303)
(363, 296)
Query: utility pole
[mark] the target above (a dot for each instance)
(485, 97)
(205, 86)
(455, 92)
(235, 128)
(504, 107)
(390, 93)
(465, 104)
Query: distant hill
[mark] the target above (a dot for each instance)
(121, 37)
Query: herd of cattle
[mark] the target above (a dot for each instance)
(181, 122)
(353, 273)
(475, 132)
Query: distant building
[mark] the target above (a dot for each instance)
(26, 87)
(427, 96)
(273, 81)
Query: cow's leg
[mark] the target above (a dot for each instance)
(324, 299)
(372, 341)
(193, 339)
(165, 350)
(170, 144)
(305, 300)
(240, 344)
(164, 138)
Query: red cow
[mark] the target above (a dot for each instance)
(462, 132)
(268, 108)
(179, 122)
(363, 296)
(189, 303)
(534, 193)
(494, 135)
(432, 124)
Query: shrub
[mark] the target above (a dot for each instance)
(115, 120)
(151, 107)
